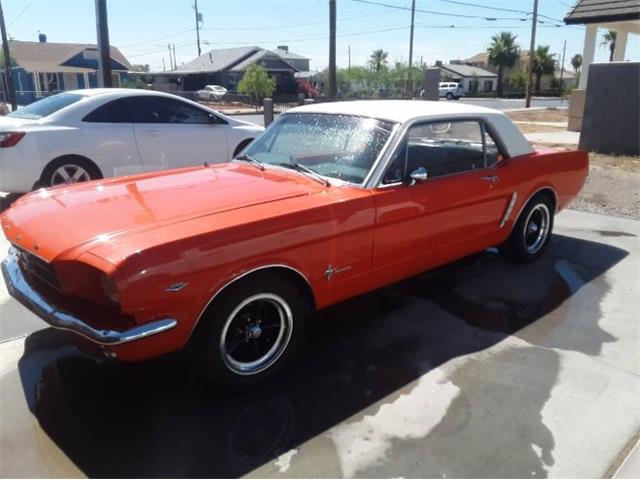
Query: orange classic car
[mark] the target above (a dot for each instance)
(333, 200)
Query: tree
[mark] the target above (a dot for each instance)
(518, 80)
(257, 83)
(503, 53)
(378, 60)
(609, 39)
(138, 67)
(543, 64)
(576, 62)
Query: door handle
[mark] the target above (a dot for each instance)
(490, 178)
(152, 133)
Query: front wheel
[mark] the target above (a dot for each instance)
(449, 96)
(532, 231)
(250, 332)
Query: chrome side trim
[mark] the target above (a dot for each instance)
(547, 187)
(20, 289)
(507, 212)
(235, 279)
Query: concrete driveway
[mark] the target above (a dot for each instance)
(480, 369)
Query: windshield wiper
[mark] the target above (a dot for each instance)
(246, 158)
(311, 173)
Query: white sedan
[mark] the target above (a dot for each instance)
(84, 135)
(212, 92)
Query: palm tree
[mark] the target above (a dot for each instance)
(543, 64)
(609, 39)
(503, 53)
(576, 62)
(378, 60)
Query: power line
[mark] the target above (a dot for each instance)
(19, 14)
(456, 2)
(434, 12)
(159, 38)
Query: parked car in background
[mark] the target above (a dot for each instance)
(332, 201)
(450, 90)
(89, 134)
(212, 93)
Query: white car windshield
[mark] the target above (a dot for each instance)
(46, 106)
(343, 147)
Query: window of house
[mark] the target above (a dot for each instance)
(488, 85)
(473, 86)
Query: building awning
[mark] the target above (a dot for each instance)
(603, 11)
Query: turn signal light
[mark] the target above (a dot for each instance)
(10, 139)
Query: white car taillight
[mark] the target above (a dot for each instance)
(10, 139)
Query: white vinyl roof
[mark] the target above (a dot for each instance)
(403, 111)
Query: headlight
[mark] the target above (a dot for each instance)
(109, 289)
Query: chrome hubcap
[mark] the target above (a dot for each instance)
(256, 334)
(537, 228)
(67, 174)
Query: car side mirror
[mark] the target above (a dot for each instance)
(212, 119)
(419, 175)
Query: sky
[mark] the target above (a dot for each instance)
(444, 29)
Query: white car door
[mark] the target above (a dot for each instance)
(172, 133)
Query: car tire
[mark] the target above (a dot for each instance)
(241, 146)
(68, 170)
(449, 96)
(250, 332)
(532, 231)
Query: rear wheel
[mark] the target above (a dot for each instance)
(68, 170)
(532, 231)
(250, 331)
(241, 146)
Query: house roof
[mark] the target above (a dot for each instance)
(234, 59)
(287, 55)
(482, 57)
(49, 56)
(468, 71)
(598, 11)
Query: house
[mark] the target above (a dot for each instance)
(226, 67)
(473, 79)
(45, 67)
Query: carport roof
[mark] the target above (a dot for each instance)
(599, 11)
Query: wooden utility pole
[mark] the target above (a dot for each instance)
(532, 53)
(104, 53)
(564, 52)
(175, 60)
(195, 6)
(332, 50)
(8, 72)
(171, 67)
(410, 77)
(349, 57)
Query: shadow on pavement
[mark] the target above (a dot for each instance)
(157, 420)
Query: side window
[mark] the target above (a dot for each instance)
(168, 110)
(445, 148)
(116, 111)
(395, 171)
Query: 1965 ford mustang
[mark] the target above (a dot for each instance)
(332, 201)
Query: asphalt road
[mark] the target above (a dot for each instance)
(480, 369)
(498, 104)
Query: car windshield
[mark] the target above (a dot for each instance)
(46, 106)
(343, 147)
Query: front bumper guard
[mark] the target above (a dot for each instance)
(20, 289)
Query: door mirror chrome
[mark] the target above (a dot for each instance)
(418, 175)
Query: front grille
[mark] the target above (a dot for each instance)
(38, 268)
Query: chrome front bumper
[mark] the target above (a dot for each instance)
(20, 289)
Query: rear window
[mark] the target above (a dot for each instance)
(46, 106)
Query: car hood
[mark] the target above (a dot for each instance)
(63, 221)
